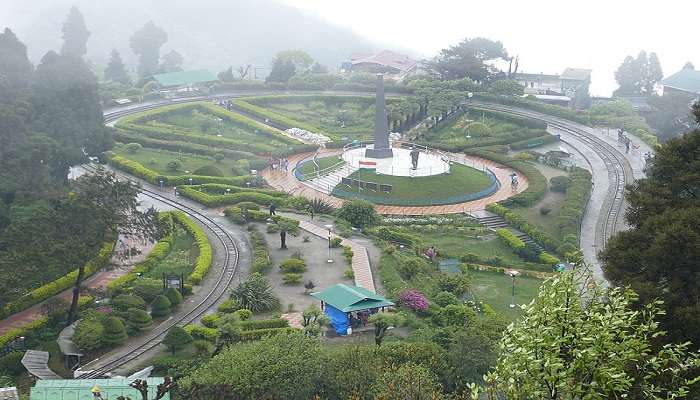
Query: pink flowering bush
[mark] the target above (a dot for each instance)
(414, 300)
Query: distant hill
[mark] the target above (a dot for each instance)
(209, 34)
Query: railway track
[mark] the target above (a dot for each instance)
(619, 170)
(220, 288)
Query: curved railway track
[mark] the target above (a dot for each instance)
(214, 294)
(619, 170)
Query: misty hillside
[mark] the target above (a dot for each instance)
(209, 34)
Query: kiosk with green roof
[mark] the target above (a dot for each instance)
(85, 389)
(340, 300)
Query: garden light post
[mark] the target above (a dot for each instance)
(513, 273)
(228, 191)
(330, 231)
(190, 179)
(161, 184)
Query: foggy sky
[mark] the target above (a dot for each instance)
(549, 35)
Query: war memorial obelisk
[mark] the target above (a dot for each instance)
(381, 149)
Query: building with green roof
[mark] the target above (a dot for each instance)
(184, 78)
(686, 81)
(82, 389)
(340, 300)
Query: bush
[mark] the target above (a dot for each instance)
(479, 129)
(248, 205)
(548, 259)
(291, 278)
(349, 274)
(517, 221)
(559, 183)
(359, 213)
(293, 265)
(174, 165)
(510, 239)
(201, 332)
(443, 299)
(571, 213)
(160, 307)
(124, 302)
(258, 334)
(335, 242)
(263, 324)
(208, 170)
(228, 306)
(203, 261)
(243, 314)
(255, 294)
(413, 299)
(544, 210)
(138, 319)
(114, 332)
(11, 363)
(210, 320)
(174, 296)
(261, 257)
(348, 254)
(177, 338)
(132, 147)
(88, 334)
(148, 288)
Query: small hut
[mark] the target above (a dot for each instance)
(343, 303)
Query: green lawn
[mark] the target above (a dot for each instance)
(323, 163)
(548, 223)
(495, 289)
(425, 190)
(157, 160)
(329, 113)
(180, 260)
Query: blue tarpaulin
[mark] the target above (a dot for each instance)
(339, 319)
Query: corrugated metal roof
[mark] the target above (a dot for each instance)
(79, 389)
(686, 79)
(349, 298)
(184, 78)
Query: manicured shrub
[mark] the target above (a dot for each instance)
(571, 213)
(559, 184)
(335, 242)
(510, 239)
(348, 254)
(174, 165)
(359, 213)
(203, 261)
(243, 314)
(548, 259)
(413, 300)
(228, 306)
(210, 320)
(208, 170)
(293, 265)
(177, 338)
(443, 299)
(160, 307)
(248, 205)
(173, 295)
(202, 332)
(263, 324)
(114, 331)
(148, 288)
(519, 222)
(291, 278)
(138, 320)
(258, 334)
(11, 363)
(124, 302)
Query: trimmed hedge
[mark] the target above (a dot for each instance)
(533, 142)
(293, 266)
(244, 104)
(261, 257)
(519, 222)
(55, 287)
(202, 332)
(510, 239)
(204, 259)
(139, 170)
(217, 200)
(538, 106)
(548, 259)
(392, 235)
(571, 214)
(257, 334)
(256, 324)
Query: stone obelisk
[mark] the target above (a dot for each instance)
(381, 149)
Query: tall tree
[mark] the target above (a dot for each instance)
(282, 71)
(302, 61)
(468, 60)
(658, 257)
(172, 62)
(654, 73)
(146, 43)
(15, 68)
(638, 76)
(226, 75)
(116, 71)
(576, 341)
(75, 34)
(628, 77)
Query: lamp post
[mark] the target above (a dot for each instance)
(190, 179)
(228, 191)
(161, 184)
(330, 231)
(513, 273)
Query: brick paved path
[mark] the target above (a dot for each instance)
(287, 182)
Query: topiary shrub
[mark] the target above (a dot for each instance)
(174, 166)
(445, 298)
(243, 314)
(148, 288)
(248, 205)
(210, 320)
(114, 331)
(124, 302)
(174, 296)
(359, 213)
(559, 184)
(89, 334)
(208, 170)
(293, 266)
(160, 307)
(11, 363)
(291, 279)
(177, 338)
(132, 147)
(228, 306)
(138, 320)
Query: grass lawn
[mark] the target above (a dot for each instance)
(424, 190)
(180, 259)
(329, 114)
(495, 290)
(158, 160)
(547, 223)
(323, 163)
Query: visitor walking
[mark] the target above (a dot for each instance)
(283, 239)
(273, 208)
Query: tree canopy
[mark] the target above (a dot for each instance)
(468, 59)
(116, 71)
(638, 76)
(75, 34)
(146, 43)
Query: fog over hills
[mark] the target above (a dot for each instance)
(209, 34)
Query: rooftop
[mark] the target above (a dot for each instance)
(60, 389)
(184, 78)
(687, 80)
(349, 298)
(576, 74)
(386, 58)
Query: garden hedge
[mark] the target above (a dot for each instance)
(204, 259)
(274, 118)
(261, 257)
(393, 235)
(571, 214)
(139, 170)
(209, 200)
(218, 188)
(55, 287)
(510, 239)
(202, 332)
(256, 324)
(257, 334)
(519, 222)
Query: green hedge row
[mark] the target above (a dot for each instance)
(36, 324)
(537, 183)
(533, 142)
(137, 169)
(202, 332)
(159, 251)
(277, 119)
(519, 222)
(510, 239)
(393, 235)
(538, 106)
(256, 324)
(204, 259)
(514, 119)
(548, 259)
(257, 334)
(571, 213)
(261, 257)
(55, 287)
(218, 188)
(209, 200)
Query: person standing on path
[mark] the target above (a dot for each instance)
(283, 239)
(273, 208)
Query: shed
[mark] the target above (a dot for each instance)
(339, 300)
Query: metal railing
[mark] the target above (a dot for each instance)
(316, 173)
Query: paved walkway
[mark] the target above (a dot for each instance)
(97, 281)
(287, 182)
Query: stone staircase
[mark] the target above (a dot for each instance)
(326, 183)
(494, 222)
